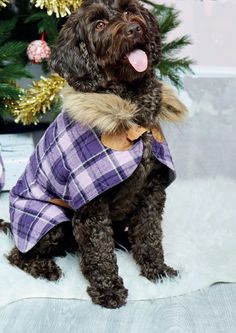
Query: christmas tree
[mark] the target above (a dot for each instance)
(23, 21)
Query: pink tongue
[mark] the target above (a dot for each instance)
(138, 59)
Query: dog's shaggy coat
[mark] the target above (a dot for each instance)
(131, 212)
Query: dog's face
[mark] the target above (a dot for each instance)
(106, 40)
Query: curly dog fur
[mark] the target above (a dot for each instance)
(90, 55)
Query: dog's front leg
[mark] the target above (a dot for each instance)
(92, 229)
(145, 233)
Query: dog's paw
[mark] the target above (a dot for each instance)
(36, 266)
(108, 297)
(46, 269)
(158, 273)
(53, 272)
(167, 271)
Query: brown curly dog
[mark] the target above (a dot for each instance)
(97, 53)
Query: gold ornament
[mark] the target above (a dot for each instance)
(59, 7)
(37, 100)
(4, 3)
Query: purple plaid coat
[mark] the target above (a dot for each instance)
(2, 174)
(71, 163)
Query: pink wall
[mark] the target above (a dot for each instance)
(212, 27)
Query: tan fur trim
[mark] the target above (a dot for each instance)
(108, 112)
(112, 114)
(172, 109)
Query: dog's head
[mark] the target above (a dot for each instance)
(106, 40)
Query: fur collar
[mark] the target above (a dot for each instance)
(110, 113)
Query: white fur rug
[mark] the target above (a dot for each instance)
(200, 241)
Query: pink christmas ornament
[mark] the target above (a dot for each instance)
(38, 50)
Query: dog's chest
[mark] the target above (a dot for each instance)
(124, 197)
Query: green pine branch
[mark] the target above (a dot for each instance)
(12, 50)
(6, 27)
(46, 23)
(11, 66)
(175, 46)
(8, 91)
(168, 18)
(173, 68)
(4, 114)
(14, 72)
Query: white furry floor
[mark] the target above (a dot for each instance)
(200, 232)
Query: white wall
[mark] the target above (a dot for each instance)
(212, 27)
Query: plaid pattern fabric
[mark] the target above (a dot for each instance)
(72, 164)
(2, 174)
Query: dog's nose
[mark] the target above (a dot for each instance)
(133, 30)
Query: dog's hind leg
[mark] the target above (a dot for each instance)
(93, 231)
(39, 261)
(35, 265)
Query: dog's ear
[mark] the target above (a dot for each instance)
(154, 35)
(70, 57)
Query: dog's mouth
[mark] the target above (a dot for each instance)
(137, 58)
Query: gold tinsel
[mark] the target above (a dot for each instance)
(59, 7)
(3, 3)
(37, 99)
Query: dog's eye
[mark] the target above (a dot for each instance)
(127, 13)
(100, 25)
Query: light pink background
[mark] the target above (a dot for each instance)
(212, 27)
